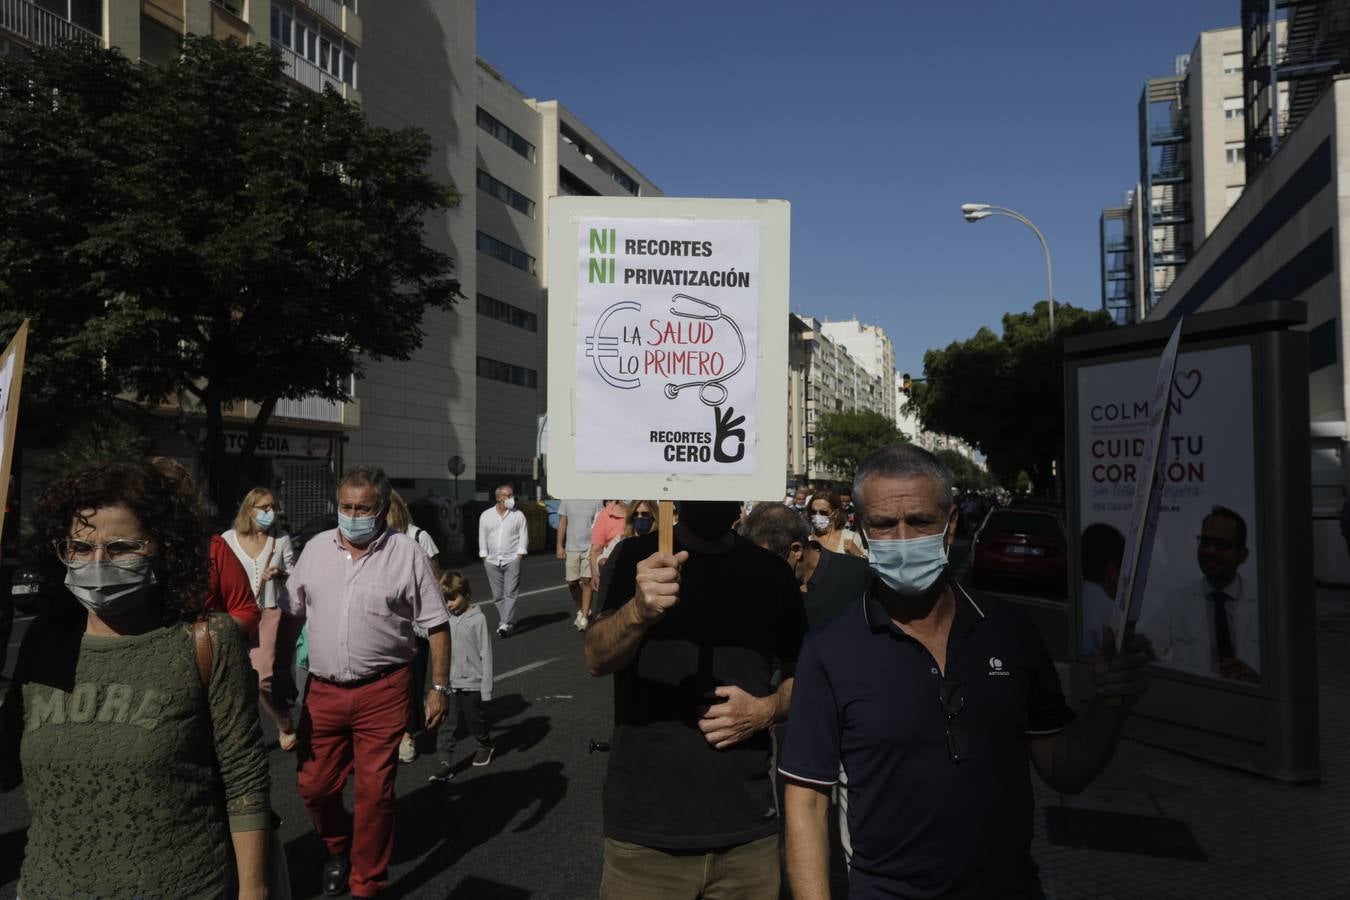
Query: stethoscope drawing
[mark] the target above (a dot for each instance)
(712, 392)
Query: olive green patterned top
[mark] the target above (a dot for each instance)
(135, 773)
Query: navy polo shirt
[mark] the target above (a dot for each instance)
(868, 695)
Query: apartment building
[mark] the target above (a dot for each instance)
(1192, 169)
(529, 151)
(869, 345)
(823, 378)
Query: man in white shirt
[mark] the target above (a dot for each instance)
(1211, 626)
(1101, 549)
(503, 538)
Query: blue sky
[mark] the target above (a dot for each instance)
(877, 120)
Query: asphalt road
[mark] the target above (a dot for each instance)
(528, 825)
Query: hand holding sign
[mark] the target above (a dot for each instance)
(658, 586)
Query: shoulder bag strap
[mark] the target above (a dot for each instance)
(201, 644)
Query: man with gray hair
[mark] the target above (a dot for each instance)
(361, 587)
(829, 581)
(503, 538)
(933, 706)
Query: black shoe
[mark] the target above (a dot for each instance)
(335, 872)
(444, 773)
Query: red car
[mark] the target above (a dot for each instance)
(1020, 544)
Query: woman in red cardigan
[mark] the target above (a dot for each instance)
(228, 590)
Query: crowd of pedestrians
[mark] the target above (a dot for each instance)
(798, 687)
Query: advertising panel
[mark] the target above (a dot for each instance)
(1200, 606)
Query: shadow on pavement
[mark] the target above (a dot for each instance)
(475, 888)
(452, 819)
(529, 623)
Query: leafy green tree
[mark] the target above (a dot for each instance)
(967, 475)
(206, 233)
(1004, 394)
(845, 439)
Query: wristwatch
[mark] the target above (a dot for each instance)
(441, 689)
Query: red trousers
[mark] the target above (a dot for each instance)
(345, 730)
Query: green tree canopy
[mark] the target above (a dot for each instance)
(1004, 394)
(206, 231)
(845, 439)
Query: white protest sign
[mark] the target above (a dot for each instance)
(11, 379)
(667, 348)
(1144, 520)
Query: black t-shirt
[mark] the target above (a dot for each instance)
(739, 618)
(839, 579)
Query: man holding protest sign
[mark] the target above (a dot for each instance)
(693, 639)
(941, 801)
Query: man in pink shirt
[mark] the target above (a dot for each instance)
(607, 530)
(361, 588)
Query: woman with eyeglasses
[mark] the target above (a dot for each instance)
(264, 551)
(142, 771)
(826, 516)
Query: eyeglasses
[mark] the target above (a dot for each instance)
(122, 552)
(1222, 544)
(953, 700)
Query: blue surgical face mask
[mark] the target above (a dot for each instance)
(265, 518)
(358, 531)
(909, 567)
(642, 524)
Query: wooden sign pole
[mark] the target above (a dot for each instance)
(666, 527)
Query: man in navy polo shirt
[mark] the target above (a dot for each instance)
(933, 706)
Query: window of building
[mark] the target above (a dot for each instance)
(302, 34)
(1232, 63)
(570, 185)
(1232, 107)
(512, 256)
(507, 373)
(1233, 151)
(508, 195)
(505, 312)
(489, 123)
(160, 44)
(1231, 194)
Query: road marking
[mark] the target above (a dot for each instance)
(529, 667)
(547, 590)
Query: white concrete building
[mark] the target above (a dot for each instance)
(870, 346)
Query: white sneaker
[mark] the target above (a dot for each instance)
(580, 621)
(503, 630)
(407, 751)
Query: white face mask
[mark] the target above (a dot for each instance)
(509, 502)
(111, 590)
(820, 523)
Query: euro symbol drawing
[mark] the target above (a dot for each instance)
(600, 346)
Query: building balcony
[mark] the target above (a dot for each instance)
(32, 24)
(1121, 245)
(311, 76)
(1167, 133)
(1169, 175)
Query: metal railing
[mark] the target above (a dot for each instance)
(311, 409)
(305, 72)
(1167, 131)
(36, 25)
(329, 9)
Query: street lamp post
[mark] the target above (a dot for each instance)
(974, 212)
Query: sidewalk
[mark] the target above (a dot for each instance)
(1257, 838)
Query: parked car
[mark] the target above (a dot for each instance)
(1022, 545)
